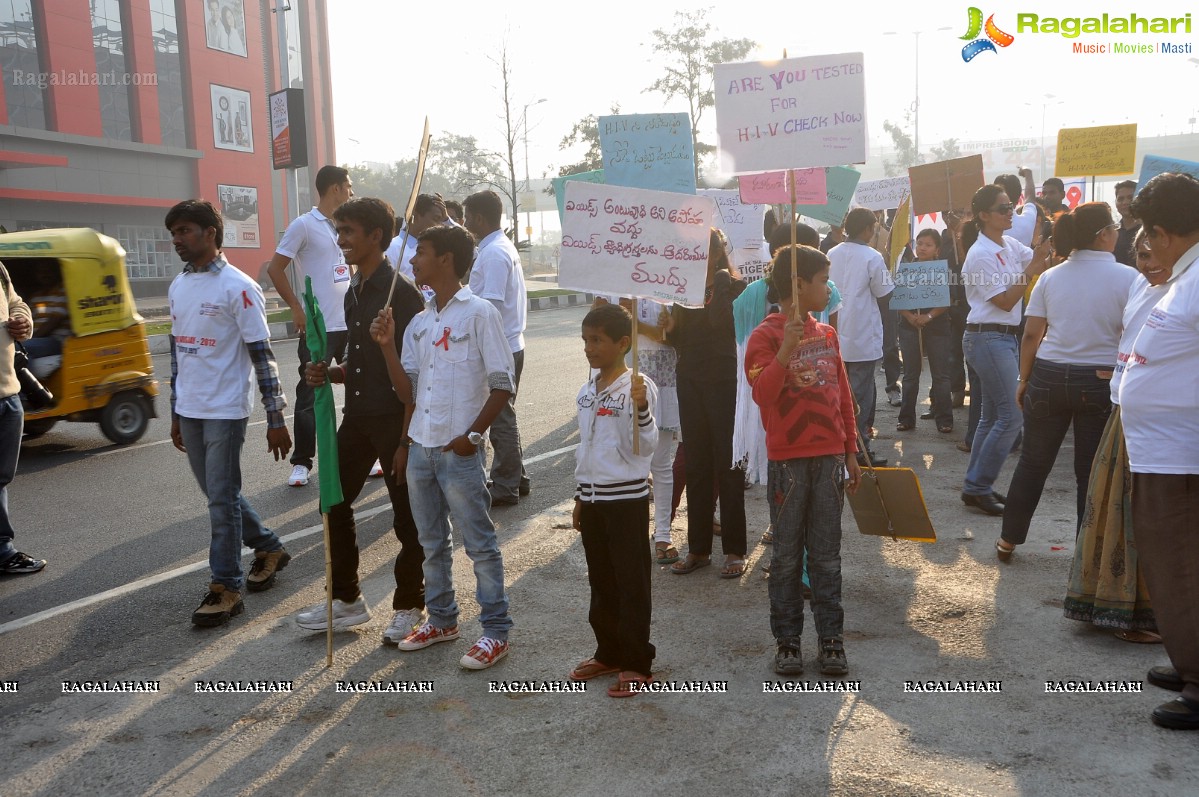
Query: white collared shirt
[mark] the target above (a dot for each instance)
(989, 270)
(311, 243)
(402, 260)
(860, 274)
(497, 276)
(1083, 301)
(455, 357)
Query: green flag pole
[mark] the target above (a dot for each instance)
(328, 472)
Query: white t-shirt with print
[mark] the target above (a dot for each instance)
(1142, 298)
(311, 243)
(989, 270)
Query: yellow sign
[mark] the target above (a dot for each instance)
(1096, 151)
(901, 231)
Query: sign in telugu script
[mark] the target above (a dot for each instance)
(1153, 165)
(840, 182)
(921, 285)
(789, 114)
(775, 187)
(741, 222)
(559, 184)
(635, 242)
(648, 150)
(882, 194)
(1095, 151)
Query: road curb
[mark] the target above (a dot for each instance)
(161, 344)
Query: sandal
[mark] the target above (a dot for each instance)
(624, 684)
(946, 428)
(689, 565)
(665, 556)
(1004, 550)
(1143, 637)
(591, 668)
(738, 569)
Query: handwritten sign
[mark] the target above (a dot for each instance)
(634, 242)
(773, 115)
(1091, 151)
(921, 285)
(1153, 165)
(882, 194)
(741, 222)
(559, 184)
(648, 150)
(840, 182)
(946, 185)
(775, 187)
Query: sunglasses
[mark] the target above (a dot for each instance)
(1005, 208)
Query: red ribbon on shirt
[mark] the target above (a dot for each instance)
(245, 298)
(445, 339)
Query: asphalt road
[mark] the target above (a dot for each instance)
(131, 520)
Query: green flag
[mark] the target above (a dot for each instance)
(326, 413)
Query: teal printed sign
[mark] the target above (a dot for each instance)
(1153, 165)
(840, 183)
(648, 150)
(559, 184)
(920, 285)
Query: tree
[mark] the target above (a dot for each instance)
(464, 166)
(691, 52)
(948, 149)
(585, 131)
(905, 149)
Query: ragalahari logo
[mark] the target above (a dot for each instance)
(977, 45)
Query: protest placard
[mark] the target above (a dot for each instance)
(793, 113)
(559, 184)
(775, 187)
(1153, 165)
(882, 194)
(648, 150)
(946, 185)
(840, 182)
(635, 242)
(1093, 151)
(741, 222)
(921, 285)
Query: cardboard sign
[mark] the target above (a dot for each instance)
(946, 185)
(634, 242)
(1094, 151)
(797, 112)
(882, 194)
(1153, 165)
(840, 182)
(920, 285)
(890, 503)
(775, 187)
(559, 184)
(741, 222)
(648, 150)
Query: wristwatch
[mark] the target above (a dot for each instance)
(475, 438)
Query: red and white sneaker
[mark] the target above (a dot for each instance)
(427, 634)
(486, 652)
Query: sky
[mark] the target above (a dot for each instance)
(394, 63)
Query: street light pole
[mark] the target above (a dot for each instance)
(524, 119)
(916, 104)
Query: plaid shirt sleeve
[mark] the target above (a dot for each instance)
(174, 373)
(267, 374)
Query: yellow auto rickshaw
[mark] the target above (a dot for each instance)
(106, 374)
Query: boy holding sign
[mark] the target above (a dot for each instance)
(612, 501)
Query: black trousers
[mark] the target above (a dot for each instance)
(304, 419)
(618, 569)
(707, 411)
(360, 441)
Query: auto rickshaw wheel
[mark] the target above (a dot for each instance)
(126, 417)
(38, 427)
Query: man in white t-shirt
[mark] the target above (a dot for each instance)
(311, 243)
(1158, 397)
(860, 274)
(497, 276)
(220, 346)
(428, 211)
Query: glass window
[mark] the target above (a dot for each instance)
(24, 79)
(112, 71)
(169, 66)
(148, 252)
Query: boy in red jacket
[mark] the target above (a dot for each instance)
(794, 367)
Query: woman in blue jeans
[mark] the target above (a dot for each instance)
(1071, 337)
(996, 270)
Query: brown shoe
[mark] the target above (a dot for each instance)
(266, 565)
(218, 606)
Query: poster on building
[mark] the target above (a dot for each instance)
(239, 206)
(231, 125)
(225, 26)
(289, 136)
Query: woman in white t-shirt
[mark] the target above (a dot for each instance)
(996, 270)
(1071, 336)
(1106, 586)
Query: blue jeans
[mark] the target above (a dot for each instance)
(214, 453)
(994, 357)
(809, 493)
(441, 484)
(12, 422)
(865, 393)
(1057, 397)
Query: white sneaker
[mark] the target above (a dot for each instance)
(299, 476)
(345, 615)
(402, 625)
(377, 470)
